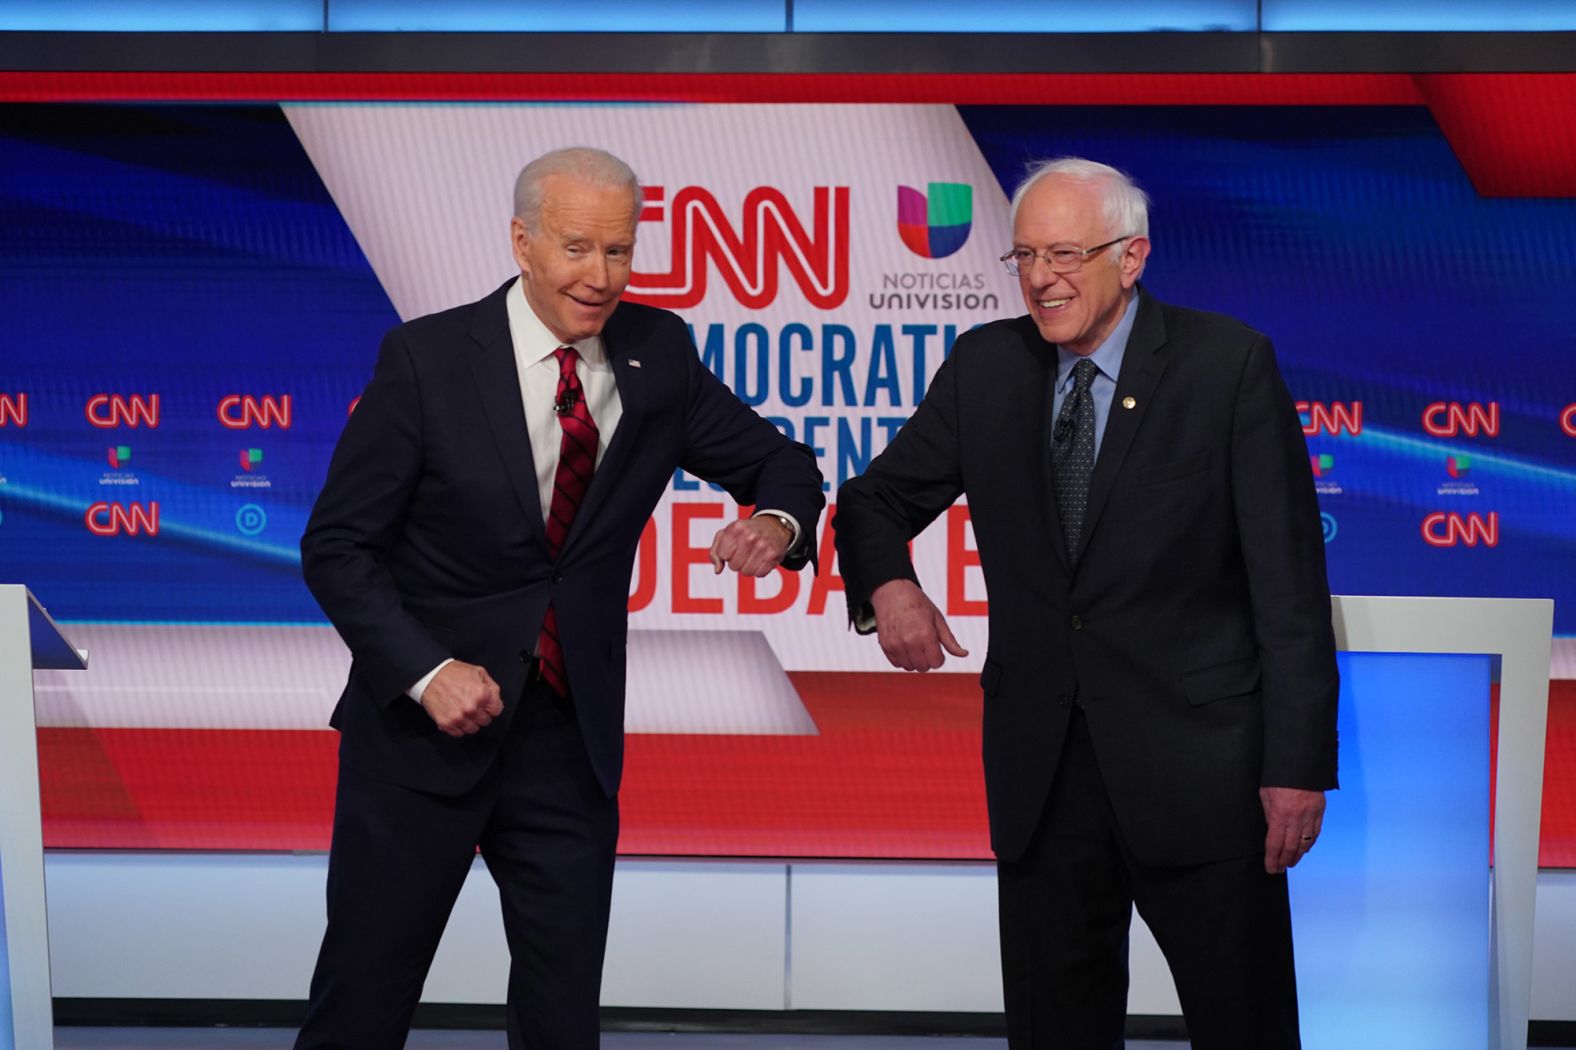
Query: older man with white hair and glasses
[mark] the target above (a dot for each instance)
(473, 545)
(1160, 687)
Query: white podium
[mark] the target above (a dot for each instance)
(29, 639)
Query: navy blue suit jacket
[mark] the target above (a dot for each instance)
(1195, 628)
(428, 543)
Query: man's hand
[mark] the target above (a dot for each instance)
(911, 629)
(462, 698)
(752, 546)
(1295, 817)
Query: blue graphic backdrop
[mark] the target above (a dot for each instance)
(190, 252)
(1351, 236)
(193, 252)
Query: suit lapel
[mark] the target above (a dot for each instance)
(498, 387)
(1142, 365)
(623, 355)
(1036, 385)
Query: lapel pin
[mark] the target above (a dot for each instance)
(633, 363)
(1128, 402)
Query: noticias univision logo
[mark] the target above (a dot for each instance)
(250, 477)
(1458, 466)
(936, 228)
(119, 459)
(1323, 464)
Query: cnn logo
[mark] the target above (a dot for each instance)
(107, 411)
(115, 519)
(1333, 418)
(1450, 530)
(242, 411)
(750, 261)
(1452, 418)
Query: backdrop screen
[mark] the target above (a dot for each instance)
(192, 298)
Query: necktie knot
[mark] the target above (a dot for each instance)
(567, 356)
(569, 390)
(1083, 375)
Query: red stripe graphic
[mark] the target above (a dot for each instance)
(894, 773)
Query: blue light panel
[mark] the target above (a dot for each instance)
(1006, 16)
(166, 16)
(1410, 16)
(770, 16)
(1390, 911)
(539, 16)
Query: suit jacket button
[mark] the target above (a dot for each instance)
(1077, 622)
(1062, 699)
(558, 577)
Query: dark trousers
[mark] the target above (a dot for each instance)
(399, 858)
(1065, 908)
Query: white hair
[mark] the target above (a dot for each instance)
(1126, 205)
(586, 164)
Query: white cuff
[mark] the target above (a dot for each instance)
(415, 691)
(788, 520)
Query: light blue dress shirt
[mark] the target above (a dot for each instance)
(1108, 359)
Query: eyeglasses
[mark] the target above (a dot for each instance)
(1061, 258)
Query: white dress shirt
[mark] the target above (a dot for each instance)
(538, 370)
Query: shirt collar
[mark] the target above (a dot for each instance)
(1107, 357)
(532, 339)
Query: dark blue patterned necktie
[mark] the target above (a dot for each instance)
(1072, 457)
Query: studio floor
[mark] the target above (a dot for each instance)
(431, 1039)
(449, 1039)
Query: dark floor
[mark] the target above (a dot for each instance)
(279, 1039)
(447, 1039)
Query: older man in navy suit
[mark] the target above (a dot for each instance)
(1160, 689)
(473, 546)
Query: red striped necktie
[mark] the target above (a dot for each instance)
(576, 461)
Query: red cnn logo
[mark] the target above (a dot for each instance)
(239, 412)
(1332, 418)
(1568, 420)
(108, 411)
(1449, 418)
(112, 519)
(749, 263)
(13, 409)
(1448, 530)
